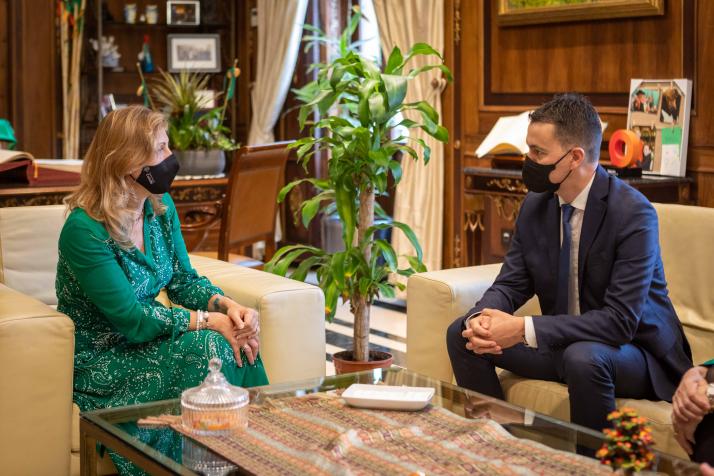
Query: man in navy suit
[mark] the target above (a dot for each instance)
(587, 245)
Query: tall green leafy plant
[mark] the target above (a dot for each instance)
(359, 110)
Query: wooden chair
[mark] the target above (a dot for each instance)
(250, 205)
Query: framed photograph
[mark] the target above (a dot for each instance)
(659, 113)
(529, 12)
(648, 136)
(108, 105)
(200, 53)
(186, 12)
(645, 100)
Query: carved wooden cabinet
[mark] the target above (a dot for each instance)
(199, 204)
(492, 199)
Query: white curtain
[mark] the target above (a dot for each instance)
(419, 197)
(280, 24)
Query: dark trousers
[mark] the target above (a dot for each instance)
(595, 373)
(704, 441)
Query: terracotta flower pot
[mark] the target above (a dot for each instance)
(344, 363)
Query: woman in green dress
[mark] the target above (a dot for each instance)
(121, 245)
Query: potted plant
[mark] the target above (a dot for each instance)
(627, 448)
(196, 133)
(359, 109)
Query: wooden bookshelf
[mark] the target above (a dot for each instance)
(106, 18)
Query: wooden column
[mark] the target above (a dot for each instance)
(35, 104)
(451, 118)
(4, 60)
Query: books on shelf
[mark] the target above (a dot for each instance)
(21, 167)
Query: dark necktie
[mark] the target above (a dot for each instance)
(561, 300)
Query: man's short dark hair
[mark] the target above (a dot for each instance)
(577, 123)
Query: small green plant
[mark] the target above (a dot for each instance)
(191, 127)
(359, 108)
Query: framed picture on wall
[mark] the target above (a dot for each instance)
(186, 12)
(529, 12)
(199, 53)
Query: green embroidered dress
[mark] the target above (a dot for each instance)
(129, 348)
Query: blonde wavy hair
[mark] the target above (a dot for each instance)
(125, 140)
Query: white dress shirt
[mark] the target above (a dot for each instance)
(576, 225)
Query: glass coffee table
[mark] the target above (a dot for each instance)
(165, 451)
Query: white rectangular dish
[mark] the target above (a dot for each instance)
(388, 397)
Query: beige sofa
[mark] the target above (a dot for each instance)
(435, 299)
(38, 422)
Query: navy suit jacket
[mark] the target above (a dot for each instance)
(623, 292)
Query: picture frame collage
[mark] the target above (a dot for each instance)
(658, 113)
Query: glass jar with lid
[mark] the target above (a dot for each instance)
(215, 406)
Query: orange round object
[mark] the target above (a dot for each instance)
(625, 148)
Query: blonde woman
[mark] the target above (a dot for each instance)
(121, 244)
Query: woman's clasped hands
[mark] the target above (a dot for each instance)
(240, 326)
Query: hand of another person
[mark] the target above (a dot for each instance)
(479, 336)
(506, 330)
(684, 433)
(224, 325)
(690, 401)
(706, 470)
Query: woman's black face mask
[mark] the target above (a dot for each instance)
(535, 175)
(157, 178)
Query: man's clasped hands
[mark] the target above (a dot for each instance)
(491, 331)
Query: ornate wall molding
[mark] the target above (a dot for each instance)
(508, 185)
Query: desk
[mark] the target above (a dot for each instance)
(493, 197)
(198, 203)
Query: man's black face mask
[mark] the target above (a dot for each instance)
(535, 175)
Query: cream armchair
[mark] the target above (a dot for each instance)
(38, 422)
(435, 299)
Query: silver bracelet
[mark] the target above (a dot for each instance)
(201, 319)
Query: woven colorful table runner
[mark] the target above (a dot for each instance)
(320, 434)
